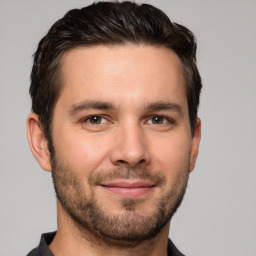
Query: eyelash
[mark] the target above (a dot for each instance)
(165, 119)
(87, 119)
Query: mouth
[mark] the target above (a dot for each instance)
(129, 189)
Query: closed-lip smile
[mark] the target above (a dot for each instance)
(129, 188)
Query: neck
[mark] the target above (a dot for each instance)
(72, 240)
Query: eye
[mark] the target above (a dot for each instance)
(95, 120)
(158, 120)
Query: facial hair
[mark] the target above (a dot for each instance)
(130, 227)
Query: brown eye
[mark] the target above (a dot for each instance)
(158, 120)
(95, 119)
(95, 123)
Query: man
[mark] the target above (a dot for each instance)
(115, 91)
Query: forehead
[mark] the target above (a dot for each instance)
(124, 74)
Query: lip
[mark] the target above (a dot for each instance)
(129, 189)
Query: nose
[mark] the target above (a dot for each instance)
(130, 148)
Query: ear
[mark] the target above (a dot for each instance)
(37, 142)
(195, 145)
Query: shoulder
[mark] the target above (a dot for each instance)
(172, 249)
(43, 247)
(34, 252)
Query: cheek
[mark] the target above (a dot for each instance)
(84, 153)
(171, 154)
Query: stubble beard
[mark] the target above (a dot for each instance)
(132, 226)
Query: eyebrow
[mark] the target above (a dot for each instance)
(101, 105)
(90, 104)
(161, 105)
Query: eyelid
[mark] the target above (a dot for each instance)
(168, 119)
(107, 119)
(87, 118)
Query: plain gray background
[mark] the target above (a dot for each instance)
(218, 214)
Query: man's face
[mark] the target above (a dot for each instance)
(122, 140)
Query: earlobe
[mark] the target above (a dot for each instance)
(195, 145)
(37, 142)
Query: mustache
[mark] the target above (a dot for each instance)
(126, 174)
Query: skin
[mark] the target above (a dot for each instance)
(131, 78)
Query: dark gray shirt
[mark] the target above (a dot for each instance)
(44, 250)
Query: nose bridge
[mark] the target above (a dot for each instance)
(130, 147)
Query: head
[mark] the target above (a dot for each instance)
(137, 71)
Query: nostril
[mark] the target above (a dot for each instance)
(122, 162)
(141, 161)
